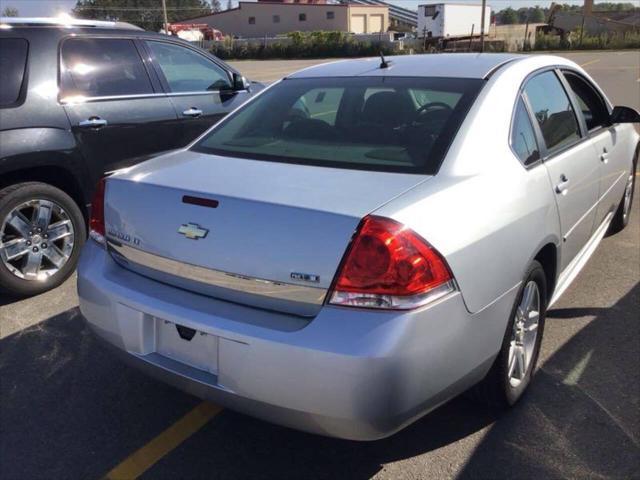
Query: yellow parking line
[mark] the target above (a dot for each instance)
(147, 456)
(591, 62)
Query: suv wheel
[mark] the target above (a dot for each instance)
(513, 368)
(41, 233)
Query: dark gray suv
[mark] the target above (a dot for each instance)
(78, 100)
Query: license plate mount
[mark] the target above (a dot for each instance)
(187, 345)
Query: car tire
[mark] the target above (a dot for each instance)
(623, 213)
(500, 388)
(38, 254)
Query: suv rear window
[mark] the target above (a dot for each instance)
(366, 123)
(13, 65)
(101, 67)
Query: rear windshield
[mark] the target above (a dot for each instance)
(367, 123)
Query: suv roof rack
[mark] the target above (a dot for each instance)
(65, 21)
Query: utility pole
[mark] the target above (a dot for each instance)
(482, 20)
(166, 21)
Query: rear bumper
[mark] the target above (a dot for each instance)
(348, 373)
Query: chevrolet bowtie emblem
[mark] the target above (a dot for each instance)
(192, 231)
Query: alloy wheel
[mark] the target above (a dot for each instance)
(36, 240)
(524, 334)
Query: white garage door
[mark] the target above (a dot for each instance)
(375, 23)
(358, 23)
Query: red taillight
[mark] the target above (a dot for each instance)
(390, 266)
(96, 222)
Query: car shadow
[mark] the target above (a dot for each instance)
(581, 419)
(68, 409)
(6, 299)
(71, 410)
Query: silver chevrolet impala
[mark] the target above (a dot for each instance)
(363, 240)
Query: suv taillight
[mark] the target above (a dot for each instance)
(96, 222)
(389, 266)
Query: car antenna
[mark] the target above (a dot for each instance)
(383, 63)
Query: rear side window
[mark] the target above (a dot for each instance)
(553, 111)
(523, 137)
(365, 123)
(100, 67)
(187, 71)
(593, 108)
(13, 65)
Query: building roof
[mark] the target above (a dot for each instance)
(454, 65)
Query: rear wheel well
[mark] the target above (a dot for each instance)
(548, 258)
(55, 176)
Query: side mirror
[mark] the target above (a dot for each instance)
(240, 82)
(624, 115)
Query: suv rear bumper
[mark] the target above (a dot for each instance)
(348, 373)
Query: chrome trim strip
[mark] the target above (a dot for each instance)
(186, 94)
(70, 100)
(218, 278)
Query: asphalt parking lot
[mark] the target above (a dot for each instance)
(69, 409)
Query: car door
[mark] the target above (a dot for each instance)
(594, 113)
(200, 89)
(570, 160)
(116, 112)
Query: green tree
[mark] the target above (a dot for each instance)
(508, 16)
(10, 12)
(537, 15)
(144, 13)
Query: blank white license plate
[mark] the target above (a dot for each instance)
(200, 352)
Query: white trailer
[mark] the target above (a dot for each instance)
(444, 20)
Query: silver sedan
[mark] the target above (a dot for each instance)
(363, 240)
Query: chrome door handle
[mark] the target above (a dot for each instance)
(563, 186)
(192, 112)
(604, 158)
(93, 122)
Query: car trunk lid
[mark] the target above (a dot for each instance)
(269, 235)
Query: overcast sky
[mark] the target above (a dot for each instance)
(42, 8)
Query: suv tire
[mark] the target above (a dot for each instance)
(40, 224)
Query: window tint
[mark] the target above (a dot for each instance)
(188, 71)
(523, 137)
(98, 67)
(591, 104)
(553, 111)
(367, 123)
(13, 63)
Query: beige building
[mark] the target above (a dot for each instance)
(259, 19)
